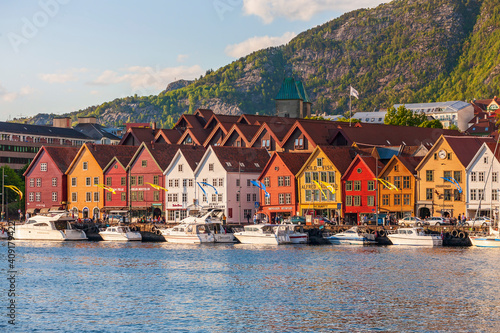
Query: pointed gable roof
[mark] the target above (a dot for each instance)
(168, 136)
(198, 135)
(317, 132)
(137, 135)
(341, 157)
(192, 154)
(61, 156)
(369, 161)
(246, 132)
(162, 153)
(220, 118)
(204, 113)
(465, 147)
(103, 154)
(293, 161)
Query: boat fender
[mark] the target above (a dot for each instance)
(454, 233)
(154, 228)
(381, 233)
(461, 234)
(158, 232)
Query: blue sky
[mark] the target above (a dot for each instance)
(60, 56)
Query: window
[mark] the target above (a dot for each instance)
(140, 196)
(237, 197)
(348, 200)
(406, 182)
(180, 167)
(473, 177)
(238, 182)
(397, 199)
(307, 178)
(144, 163)
(457, 196)
(96, 180)
(319, 162)
(348, 185)
(494, 177)
(156, 196)
(447, 194)
(171, 183)
(184, 182)
(190, 182)
(308, 195)
(176, 182)
(156, 180)
(429, 175)
(254, 197)
(316, 195)
(288, 198)
(39, 182)
(37, 196)
(396, 167)
(32, 182)
(184, 197)
(429, 194)
(371, 185)
(266, 182)
(473, 194)
(281, 198)
(219, 197)
(315, 176)
(480, 194)
(447, 174)
(331, 177)
(32, 196)
(249, 182)
(287, 180)
(397, 181)
(108, 181)
(357, 200)
(280, 181)
(43, 167)
(96, 196)
(214, 182)
(485, 160)
(108, 196)
(123, 181)
(204, 198)
(323, 176)
(357, 185)
(54, 181)
(211, 167)
(385, 199)
(481, 176)
(249, 196)
(54, 196)
(73, 197)
(124, 196)
(370, 200)
(88, 196)
(267, 200)
(140, 180)
(458, 176)
(85, 165)
(494, 194)
(221, 182)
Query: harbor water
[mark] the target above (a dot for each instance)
(161, 287)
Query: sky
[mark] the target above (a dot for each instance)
(60, 56)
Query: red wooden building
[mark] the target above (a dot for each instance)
(46, 184)
(358, 184)
(279, 178)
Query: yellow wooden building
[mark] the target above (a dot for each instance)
(324, 167)
(398, 194)
(441, 186)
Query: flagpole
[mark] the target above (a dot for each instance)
(350, 110)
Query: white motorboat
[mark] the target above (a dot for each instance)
(296, 236)
(190, 233)
(414, 237)
(352, 236)
(120, 233)
(49, 227)
(4, 234)
(271, 234)
(492, 239)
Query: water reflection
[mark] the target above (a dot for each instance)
(106, 286)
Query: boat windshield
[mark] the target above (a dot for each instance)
(61, 225)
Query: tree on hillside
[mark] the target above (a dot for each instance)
(435, 123)
(403, 117)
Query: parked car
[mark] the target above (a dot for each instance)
(412, 221)
(298, 219)
(117, 219)
(371, 221)
(478, 221)
(432, 221)
(321, 220)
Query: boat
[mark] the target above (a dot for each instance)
(120, 233)
(414, 237)
(352, 236)
(269, 234)
(211, 219)
(189, 233)
(49, 227)
(296, 236)
(4, 234)
(492, 239)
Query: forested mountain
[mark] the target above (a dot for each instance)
(405, 51)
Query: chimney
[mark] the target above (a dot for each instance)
(153, 125)
(63, 122)
(477, 120)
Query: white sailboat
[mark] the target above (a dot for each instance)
(492, 239)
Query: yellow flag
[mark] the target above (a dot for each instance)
(387, 184)
(329, 187)
(107, 188)
(317, 184)
(157, 187)
(15, 189)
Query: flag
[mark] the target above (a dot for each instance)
(203, 190)
(207, 184)
(317, 184)
(261, 186)
(157, 187)
(329, 187)
(15, 189)
(354, 92)
(107, 188)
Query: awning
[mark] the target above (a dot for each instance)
(55, 208)
(44, 210)
(118, 211)
(30, 210)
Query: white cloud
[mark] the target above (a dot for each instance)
(62, 77)
(256, 43)
(10, 96)
(146, 78)
(182, 57)
(302, 10)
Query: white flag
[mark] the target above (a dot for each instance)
(354, 92)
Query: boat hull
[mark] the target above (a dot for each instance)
(349, 240)
(121, 237)
(189, 239)
(485, 241)
(432, 240)
(298, 238)
(225, 238)
(52, 235)
(262, 239)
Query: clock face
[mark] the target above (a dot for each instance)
(442, 154)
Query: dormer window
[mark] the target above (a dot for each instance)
(242, 164)
(85, 165)
(228, 164)
(299, 142)
(43, 167)
(257, 165)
